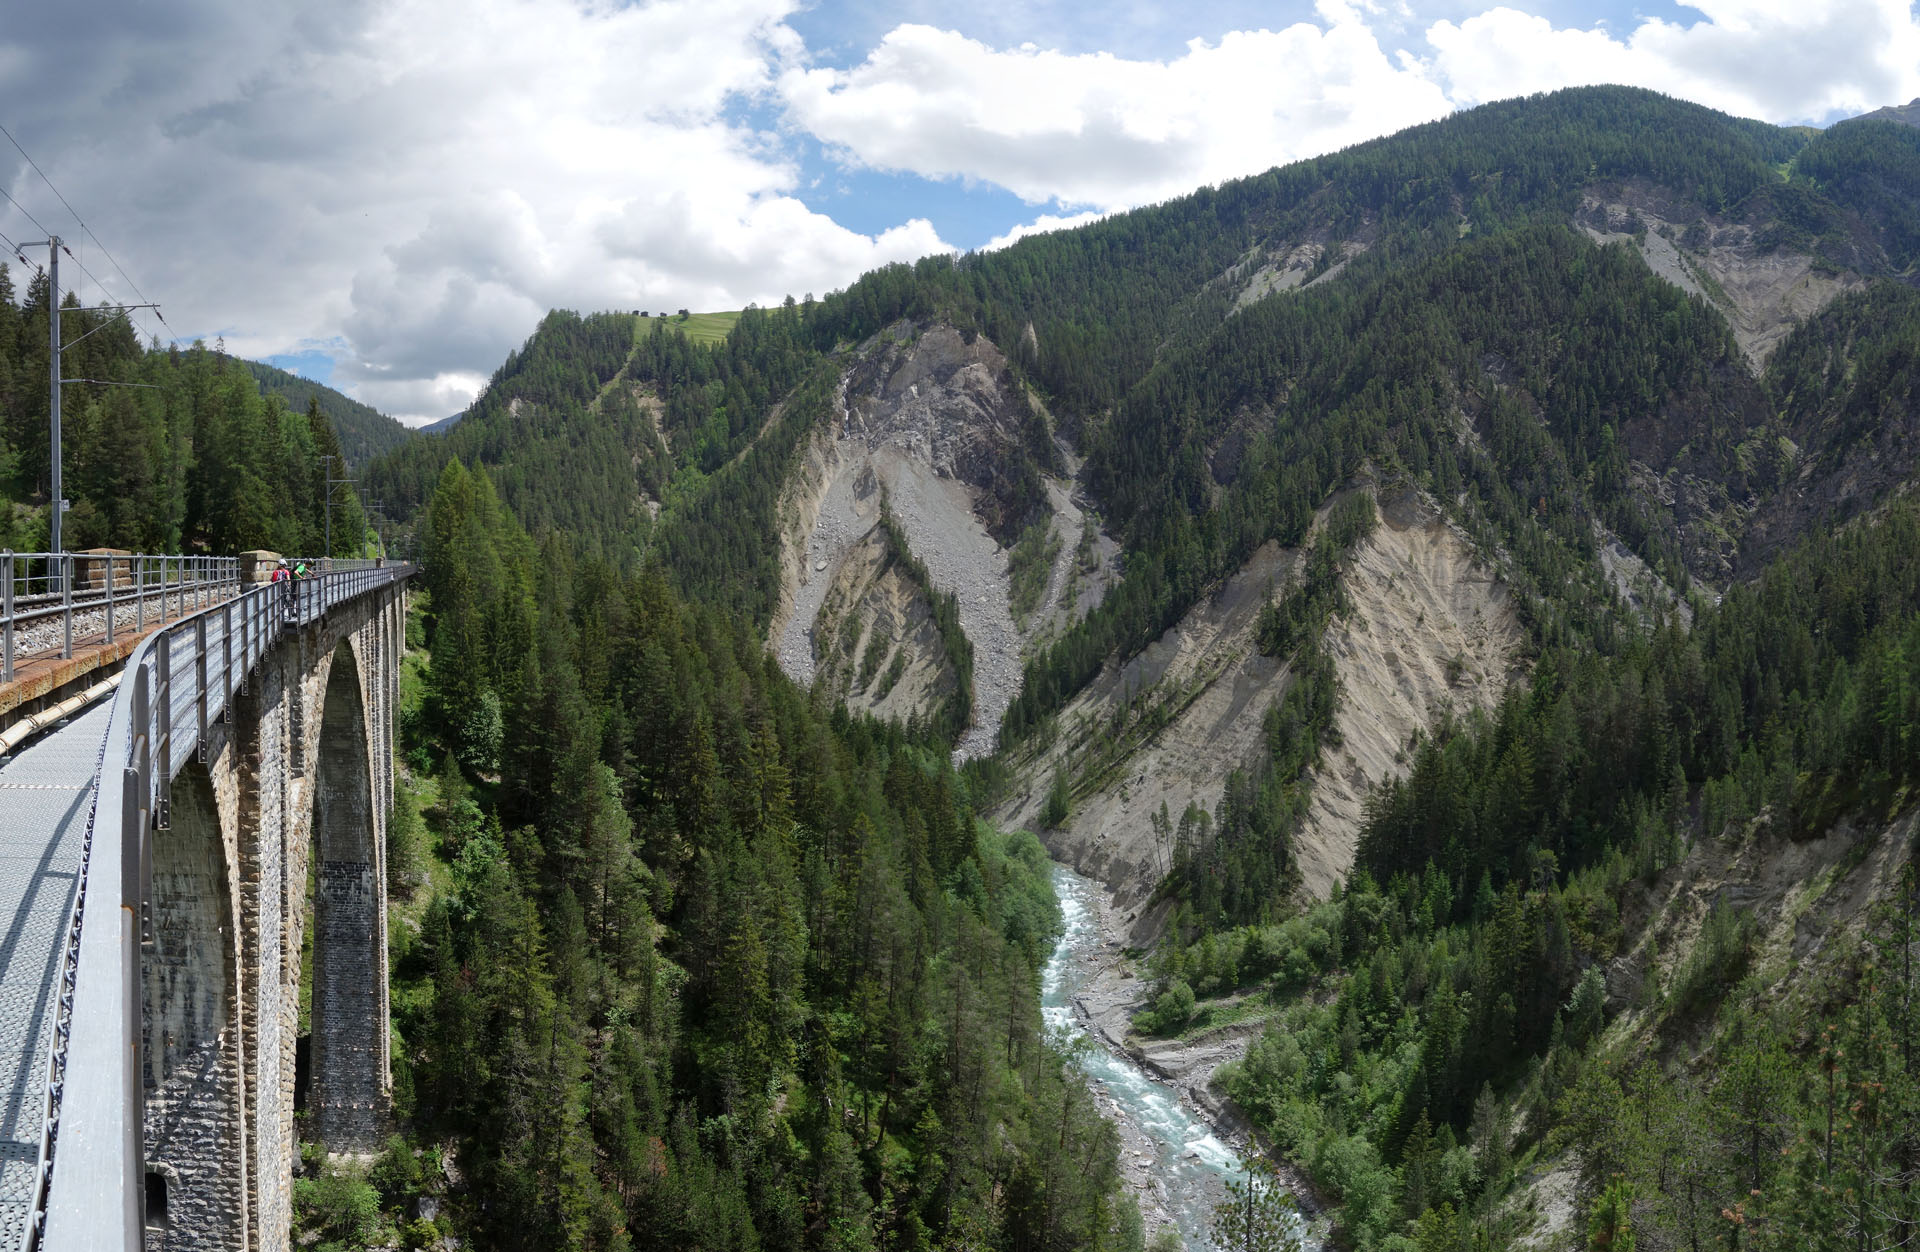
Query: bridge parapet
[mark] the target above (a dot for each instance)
(175, 707)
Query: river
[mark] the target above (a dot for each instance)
(1187, 1163)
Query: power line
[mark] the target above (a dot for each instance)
(171, 337)
(105, 297)
(23, 208)
(35, 165)
(76, 217)
(18, 251)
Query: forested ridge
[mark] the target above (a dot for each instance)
(194, 458)
(1442, 1016)
(691, 962)
(701, 962)
(1123, 327)
(364, 432)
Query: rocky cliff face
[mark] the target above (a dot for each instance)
(1431, 631)
(1763, 289)
(934, 428)
(879, 649)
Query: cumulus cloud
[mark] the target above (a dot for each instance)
(1785, 62)
(1105, 132)
(1095, 129)
(415, 182)
(1039, 226)
(425, 178)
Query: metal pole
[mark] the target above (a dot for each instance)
(326, 474)
(6, 594)
(53, 330)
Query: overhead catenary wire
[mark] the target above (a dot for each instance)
(77, 220)
(23, 210)
(19, 253)
(106, 295)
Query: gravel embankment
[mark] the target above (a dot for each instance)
(40, 637)
(836, 530)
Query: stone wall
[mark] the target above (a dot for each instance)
(192, 1072)
(266, 950)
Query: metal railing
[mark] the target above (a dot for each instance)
(46, 598)
(177, 684)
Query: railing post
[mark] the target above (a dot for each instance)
(109, 599)
(163, 737)
(66, 600)
(226, 662)
(6, 612)
(246, 643)
(200, 680)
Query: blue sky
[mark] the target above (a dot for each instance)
(840, 34)
(412, 184)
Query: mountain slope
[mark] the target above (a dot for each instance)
(1434, 586)
(1908, 113)
(364, 432)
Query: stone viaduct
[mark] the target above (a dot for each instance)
(276, 841)
(252, 926)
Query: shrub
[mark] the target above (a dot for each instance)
(338, 1206)
(1171, 1012)
(1059, 800)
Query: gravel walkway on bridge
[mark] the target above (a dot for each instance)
(46, 800)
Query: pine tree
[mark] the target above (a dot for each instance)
(1257, 1214)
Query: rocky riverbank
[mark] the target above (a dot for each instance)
(1180, 1137)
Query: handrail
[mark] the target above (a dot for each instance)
(89, 1185)
(135, 578)
(36, 586)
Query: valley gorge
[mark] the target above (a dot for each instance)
(1399, 671)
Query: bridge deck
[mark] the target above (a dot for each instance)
(46, 797)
